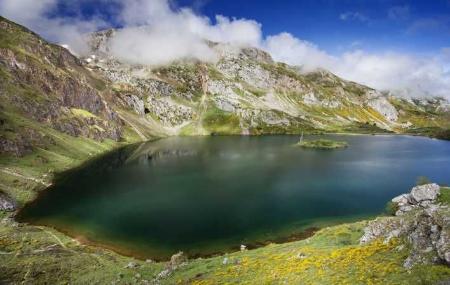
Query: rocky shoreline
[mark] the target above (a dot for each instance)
(422, 221)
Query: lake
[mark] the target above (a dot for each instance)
(209, 195)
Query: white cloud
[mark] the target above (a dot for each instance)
(347, 16)
(34, 15)
(285, 47)
(155, 33)
(399, 12)
(406, 75)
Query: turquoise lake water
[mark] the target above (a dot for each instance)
(207, 195)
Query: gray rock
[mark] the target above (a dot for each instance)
(177, 260)
(164, 274)
(425, 192)
(424, 224)
(402, 199)
(6, 203)
(131, 265)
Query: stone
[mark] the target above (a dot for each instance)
(163, 274)
(131, 265)
(6, 203)
(176, 260)
(425, 192)
(243, 247)
(402, 199)
(421, 221)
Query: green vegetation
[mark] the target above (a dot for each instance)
(444, 197)
(365, 128)
(332, 256)
(220, 122)
(82, 113)
(322, 144)
(391, 208)
(422, 180)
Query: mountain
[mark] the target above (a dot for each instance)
(246, 92)
(57, 109)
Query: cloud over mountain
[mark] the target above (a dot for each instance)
(154, 32)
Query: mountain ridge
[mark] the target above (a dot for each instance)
(243, 72)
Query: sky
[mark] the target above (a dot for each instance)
(397, 45)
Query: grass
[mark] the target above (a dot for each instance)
(82, 113)
(444, 197)
(322, 144)
(39, 255)
(220, 122)
(332, 256)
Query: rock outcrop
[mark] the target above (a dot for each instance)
(6, 203)
(420, 220)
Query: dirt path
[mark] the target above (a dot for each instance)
(140, 134)
(16, 174)
(202, 106)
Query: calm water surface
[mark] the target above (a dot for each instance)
(205, 195)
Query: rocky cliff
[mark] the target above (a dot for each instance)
(43, 86)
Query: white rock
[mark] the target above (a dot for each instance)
(402, 199)
(425, 192)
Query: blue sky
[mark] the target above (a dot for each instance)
(414, 26)
(397, 45)
(335, 26)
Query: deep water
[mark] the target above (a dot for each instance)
(206, 195)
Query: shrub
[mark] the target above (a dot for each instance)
(391, 208)
(422, 180)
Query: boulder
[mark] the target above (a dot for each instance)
(422, 222)
(176, 260)
(131, 264)
(425, 192)
(6, 203)
(402, 199)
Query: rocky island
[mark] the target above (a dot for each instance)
(322, 144)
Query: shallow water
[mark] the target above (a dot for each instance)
(205, 195)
